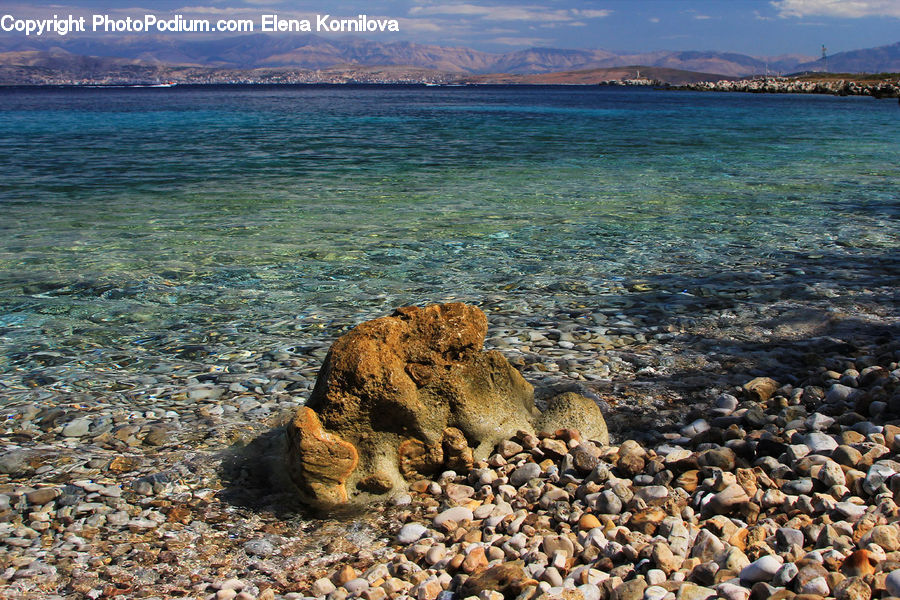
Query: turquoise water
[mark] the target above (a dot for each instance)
(265, 216)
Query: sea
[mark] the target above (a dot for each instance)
(145, 225)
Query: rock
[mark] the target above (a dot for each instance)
(762, 569)
(885, 536)
(411, 532)
(695, 428)
(785, 575)
(320, 462)
(356, 586)
(508, 448)
(807, 571)
(831, 474)
(322, 587)
(663, 557)
(655, 592)
(730, 591)
(728, 500)
(77, 428)
(761, 388)
(727, 402)
(396, 394)
(157, 436)
(858, 564)
(42, 495)
(584, 460)
(259, 547)
(607, 503)
(475, 560)
(630, 590)
(456, 514)
(839, 393)
(722, 458)
(524, 474)
(691, 591)
(344, 574)
(557, 543)
(18, 462)
(507, 578)
(571, 410)
(819, 442)
(853, 588)
(876, 476)
(588, 522)
(846, 455)
(817, 586)
(892, 583)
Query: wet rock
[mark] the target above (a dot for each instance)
(77, 428)
(18, 462)
(410, 533)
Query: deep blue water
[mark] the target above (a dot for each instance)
(274, 212)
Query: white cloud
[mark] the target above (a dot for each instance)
(702, 17)
(591, 14)
(851, 9)
(207, 10)
(654, 19)
(520, 41)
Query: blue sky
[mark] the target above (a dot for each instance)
(756, 27)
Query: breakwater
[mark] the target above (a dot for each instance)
(781, 85)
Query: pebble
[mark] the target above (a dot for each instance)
(762, 569)
(819, 442)
(410, 533)
(77, 428)
(456, 514)
(892, 583)
(524, 474)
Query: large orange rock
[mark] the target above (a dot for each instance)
(412, 394)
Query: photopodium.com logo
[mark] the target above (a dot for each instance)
(97, 23)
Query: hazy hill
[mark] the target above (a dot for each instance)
(883, 59)
(314, 52)
(308, 51)
(595, 76)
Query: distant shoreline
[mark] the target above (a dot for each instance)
(847, 85)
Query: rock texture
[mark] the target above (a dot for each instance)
(409, 395)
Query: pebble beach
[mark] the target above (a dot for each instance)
(168, 486)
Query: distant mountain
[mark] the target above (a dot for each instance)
(309, 51)
(595, 76)
(883, 59)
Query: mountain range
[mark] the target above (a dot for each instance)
(311, 52)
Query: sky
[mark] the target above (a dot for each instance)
(754, 27)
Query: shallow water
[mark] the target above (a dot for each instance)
(138, 221)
